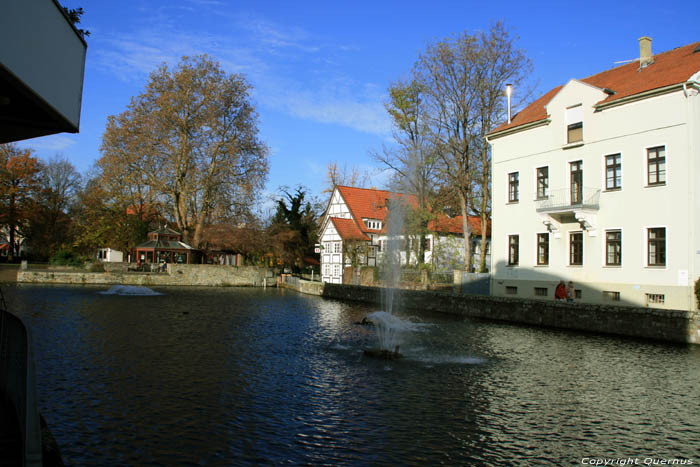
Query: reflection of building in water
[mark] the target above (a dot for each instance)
(165, 245)
(354, 230)
(596, 182)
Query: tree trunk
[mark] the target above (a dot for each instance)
(11, 226)
(467, 233)
(484, 206)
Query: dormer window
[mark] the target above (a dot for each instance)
(574, 124)
(373, 224)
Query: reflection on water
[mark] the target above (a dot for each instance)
(249, 376)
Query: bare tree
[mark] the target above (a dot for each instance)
(345, 176)
(190, 139)
(464, 79)
(413, 159)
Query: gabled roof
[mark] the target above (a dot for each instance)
(347, 229)
(672, 67)
(453, 225)
(369, 203)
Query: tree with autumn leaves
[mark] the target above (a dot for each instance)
(36, 201)
(19, 181)
(188, 143)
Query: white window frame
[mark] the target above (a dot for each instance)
(549, 250)
(572, 117)
(604, 250)
(520, 253)
(604, 184)
(508, 200)
(645, 165)
(537, 182)
(583, 249)
(568, 177)
(645, 242)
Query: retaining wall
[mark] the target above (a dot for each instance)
(669, 325)
(300, 285)
(176, 274)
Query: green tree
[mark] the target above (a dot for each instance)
(294, 228)
(190, 140)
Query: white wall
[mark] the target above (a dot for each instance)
(670, 120)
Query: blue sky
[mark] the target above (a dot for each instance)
(320, 70)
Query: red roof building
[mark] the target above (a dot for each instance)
(596, 182)
(360, 216)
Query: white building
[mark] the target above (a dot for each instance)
(355, 224)
(109, 255)
(597, 183)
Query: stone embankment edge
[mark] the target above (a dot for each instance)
(176, 274)
(667, 325)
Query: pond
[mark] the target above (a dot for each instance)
(231, 376)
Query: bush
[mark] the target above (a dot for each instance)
(67, 258)
(697, 292)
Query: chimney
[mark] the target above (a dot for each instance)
(645, 57)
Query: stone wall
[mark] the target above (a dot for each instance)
(176, 274)
(300, 285)
(668, 325)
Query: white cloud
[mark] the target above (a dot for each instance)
(289, 70)
(48, 143)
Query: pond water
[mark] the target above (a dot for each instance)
(235, 376)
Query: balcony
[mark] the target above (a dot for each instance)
(565, 200)
(42, 62)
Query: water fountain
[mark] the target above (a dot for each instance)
(131, 290)
(387, 325)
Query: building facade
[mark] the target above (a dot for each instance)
(597, 183)
(355, 231)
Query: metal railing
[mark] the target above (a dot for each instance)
(566, 198)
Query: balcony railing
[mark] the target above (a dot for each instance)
(565, 199)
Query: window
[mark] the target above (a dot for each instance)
(513, 249)
(655, 298)
(574, 124)
(336, 247)
(656, 166)
(426, 244)
(542, 182)
(513, 189)
(576, 176)
(511, 290)
(379, 245)
(576, 248)
(543, 249)
(656, 246)
(336, 269)
(613, 248)
(611, 296)
(541, 291)
(613, 172)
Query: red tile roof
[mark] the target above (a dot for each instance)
(347, 229)
(672, 67)
(367, 203)
(453, 225)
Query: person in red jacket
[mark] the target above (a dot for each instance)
(560, 291)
